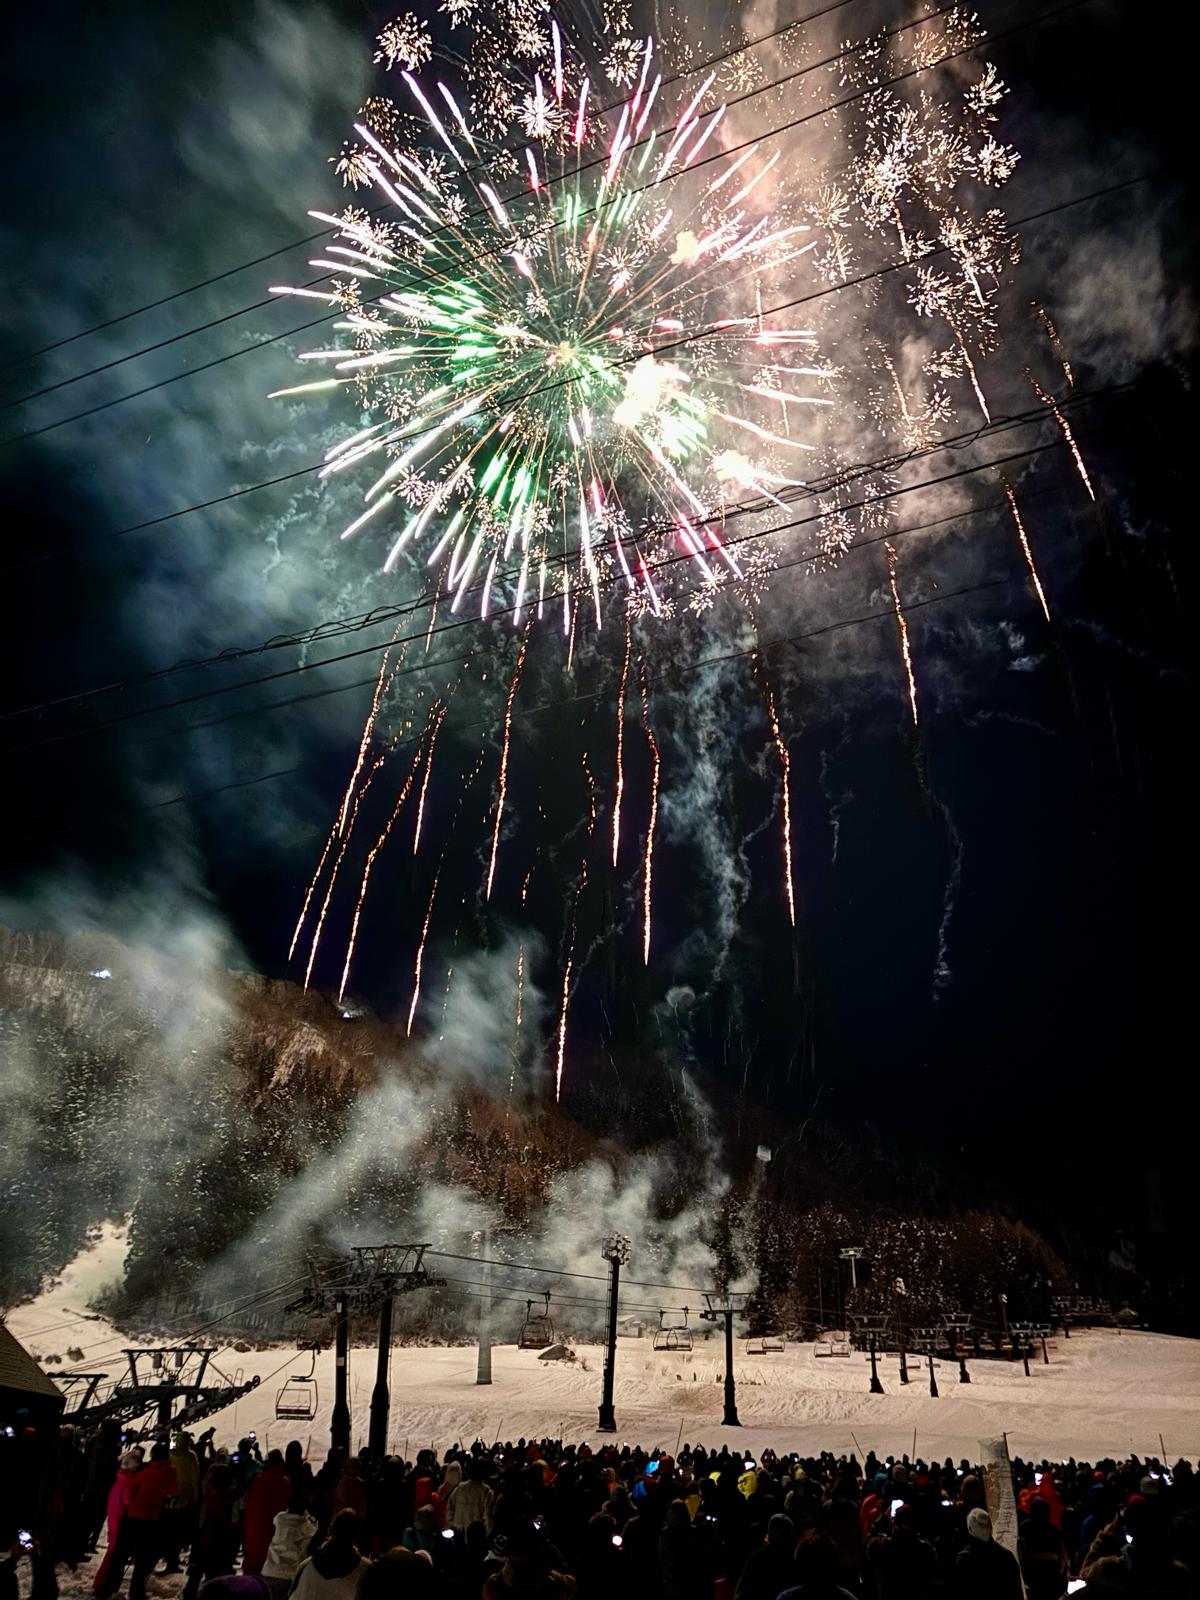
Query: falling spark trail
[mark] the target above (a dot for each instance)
(1024, 538)
(382, 684)
(974, 376)
(648, 868)
(445, 706)
(566, 984)
(593, 808)
(943, 975)
(902, 628)
(337, 866)
(1049, 400)
(312, 886)
(785, 763)
(620, 788)
(416, 994)
(385, 832)
(502, 787)
(1056, 344)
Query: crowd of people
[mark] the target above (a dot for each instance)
(544, 1520)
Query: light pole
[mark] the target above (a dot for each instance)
(1003, 1299)
(723, 1306)
(853, 1253)
(339, 1421)
(901, 1291)
(876, 1386)
(615, 1250)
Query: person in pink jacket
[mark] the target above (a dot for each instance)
(118, 1503)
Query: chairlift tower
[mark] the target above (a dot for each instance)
(369, 1278)
(483, 1355)
(158, 1379)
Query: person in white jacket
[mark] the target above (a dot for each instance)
(332, 1573)
(471, 1502)
(294, 1531)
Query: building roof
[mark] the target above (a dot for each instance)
(20, 1373)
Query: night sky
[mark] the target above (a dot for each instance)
(1046, 798)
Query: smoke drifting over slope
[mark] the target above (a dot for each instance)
(215, 135)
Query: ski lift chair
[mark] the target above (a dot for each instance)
(297, 1400)
(764, 1344)
(537, 1330)
(672, 1335)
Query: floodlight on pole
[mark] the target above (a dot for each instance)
(615, 1250)
(722, 1306)
(853, 1253)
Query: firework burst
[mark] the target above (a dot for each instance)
(564, 321)
(555, 365)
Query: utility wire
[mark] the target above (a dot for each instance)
(495, 251)
(263, 707)
(81, 1316)
(548, 705)
(704, 161)
(258, 1298)
(558, 1272)
(323, 233)
(341, 626)
(301, 472)
(473, 621)
(514, 1295)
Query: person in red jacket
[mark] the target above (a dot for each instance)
(267, 1496)
(118, 1503)
(140, 1536)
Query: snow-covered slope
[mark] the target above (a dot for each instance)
(1104, 1392)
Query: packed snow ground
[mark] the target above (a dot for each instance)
(1104, 1392)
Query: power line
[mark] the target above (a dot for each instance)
(325, 232)
(614, 579)
(229, 1309)
(704, 161)
(520, 714)
(80, 1316)
(375, 649)
(339, 627)
(512, 1294)
(441, 661)
(495, 251)
(818, 294)
(558, 1272)
(585, 697)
